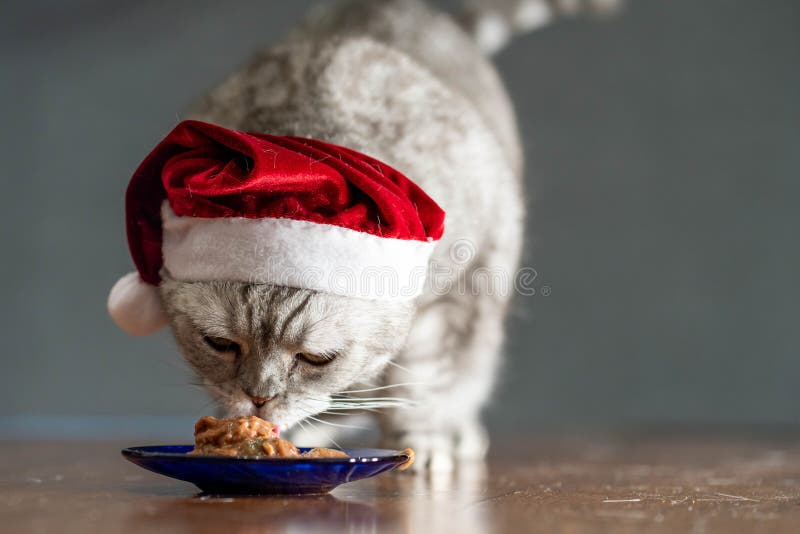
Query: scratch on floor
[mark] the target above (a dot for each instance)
(737, 497)
(496, 497)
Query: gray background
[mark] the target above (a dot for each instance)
(663, 151)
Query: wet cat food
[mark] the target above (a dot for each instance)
(248, 436)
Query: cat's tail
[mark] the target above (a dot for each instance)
(493, 22)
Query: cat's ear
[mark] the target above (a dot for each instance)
(136, 306)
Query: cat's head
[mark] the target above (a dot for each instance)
(280, 353)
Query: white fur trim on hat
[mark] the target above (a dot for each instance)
(136, 306)
(294, 253)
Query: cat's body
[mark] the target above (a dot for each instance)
(407, 85)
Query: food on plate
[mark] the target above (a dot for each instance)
(248, 436)
(324, 453)
(411, 457)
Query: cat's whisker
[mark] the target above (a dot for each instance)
(198, 385)
(355, 401)
(310, 415)
(385, 400)
(356, 405)
(312, 426)
(367, 390)
(326, 434)
(208, 405)
(406, 369)
(367, 404)
(340, 411)
(369, 407)
(338, 425)
(334, 414)
(301, 425)
(356, 398)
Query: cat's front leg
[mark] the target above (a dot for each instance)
(441, 449)
(447, 370)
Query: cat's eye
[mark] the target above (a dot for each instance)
(221, 344)
(316, 359)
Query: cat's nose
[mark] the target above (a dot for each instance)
(260, 401)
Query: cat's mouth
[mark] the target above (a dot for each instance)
(284, 410)
(271, 411)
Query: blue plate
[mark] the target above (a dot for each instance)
(252, 476)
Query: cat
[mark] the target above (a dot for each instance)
(411, 86)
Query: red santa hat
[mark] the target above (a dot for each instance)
(210, 203)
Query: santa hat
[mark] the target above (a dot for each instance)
(210, 203)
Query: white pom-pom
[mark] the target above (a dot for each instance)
(136, 306)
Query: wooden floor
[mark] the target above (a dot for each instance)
(623, 484)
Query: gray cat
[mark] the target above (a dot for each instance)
(410, 86)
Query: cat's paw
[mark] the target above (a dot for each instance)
(441, 451)
(434, 451)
